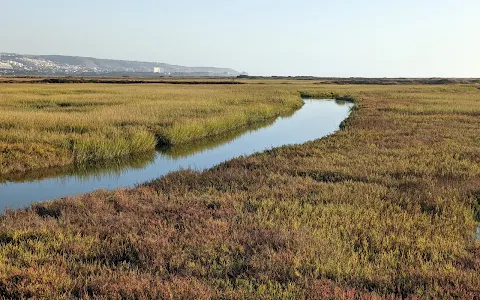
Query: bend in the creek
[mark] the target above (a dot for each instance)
(315, 119)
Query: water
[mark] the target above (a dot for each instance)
(316, 119)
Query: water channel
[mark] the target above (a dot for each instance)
(316, 119)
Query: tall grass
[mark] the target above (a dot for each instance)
(52, 125)
(110, 146)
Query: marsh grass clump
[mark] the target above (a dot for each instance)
(110, 146)
(385, 208)
(476, 204)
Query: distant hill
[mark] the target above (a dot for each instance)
(12, 63)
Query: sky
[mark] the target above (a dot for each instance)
(343, 38)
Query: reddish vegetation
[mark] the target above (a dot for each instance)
(381, 209)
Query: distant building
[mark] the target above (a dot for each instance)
(5, 65)
(157, 70)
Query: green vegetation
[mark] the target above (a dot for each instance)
(118, 166)
(53, 125)
(384, 208)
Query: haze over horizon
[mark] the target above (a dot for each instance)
(318, 38)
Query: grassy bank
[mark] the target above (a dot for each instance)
(384, 208)
(54, 125)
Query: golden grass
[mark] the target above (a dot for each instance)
(52, 125)
(384, 208)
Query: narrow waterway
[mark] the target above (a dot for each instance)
(316, 119)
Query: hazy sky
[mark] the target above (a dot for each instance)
(263, 37)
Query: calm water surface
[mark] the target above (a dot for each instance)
(316, 119)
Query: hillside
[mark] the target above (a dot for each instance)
(19, 64)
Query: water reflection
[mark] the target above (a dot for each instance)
(115, 167)
(118, 166)
(210, 143)
(315, 119)
(342, 102)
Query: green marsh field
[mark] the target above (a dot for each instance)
(53, 125)
(385, 208)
